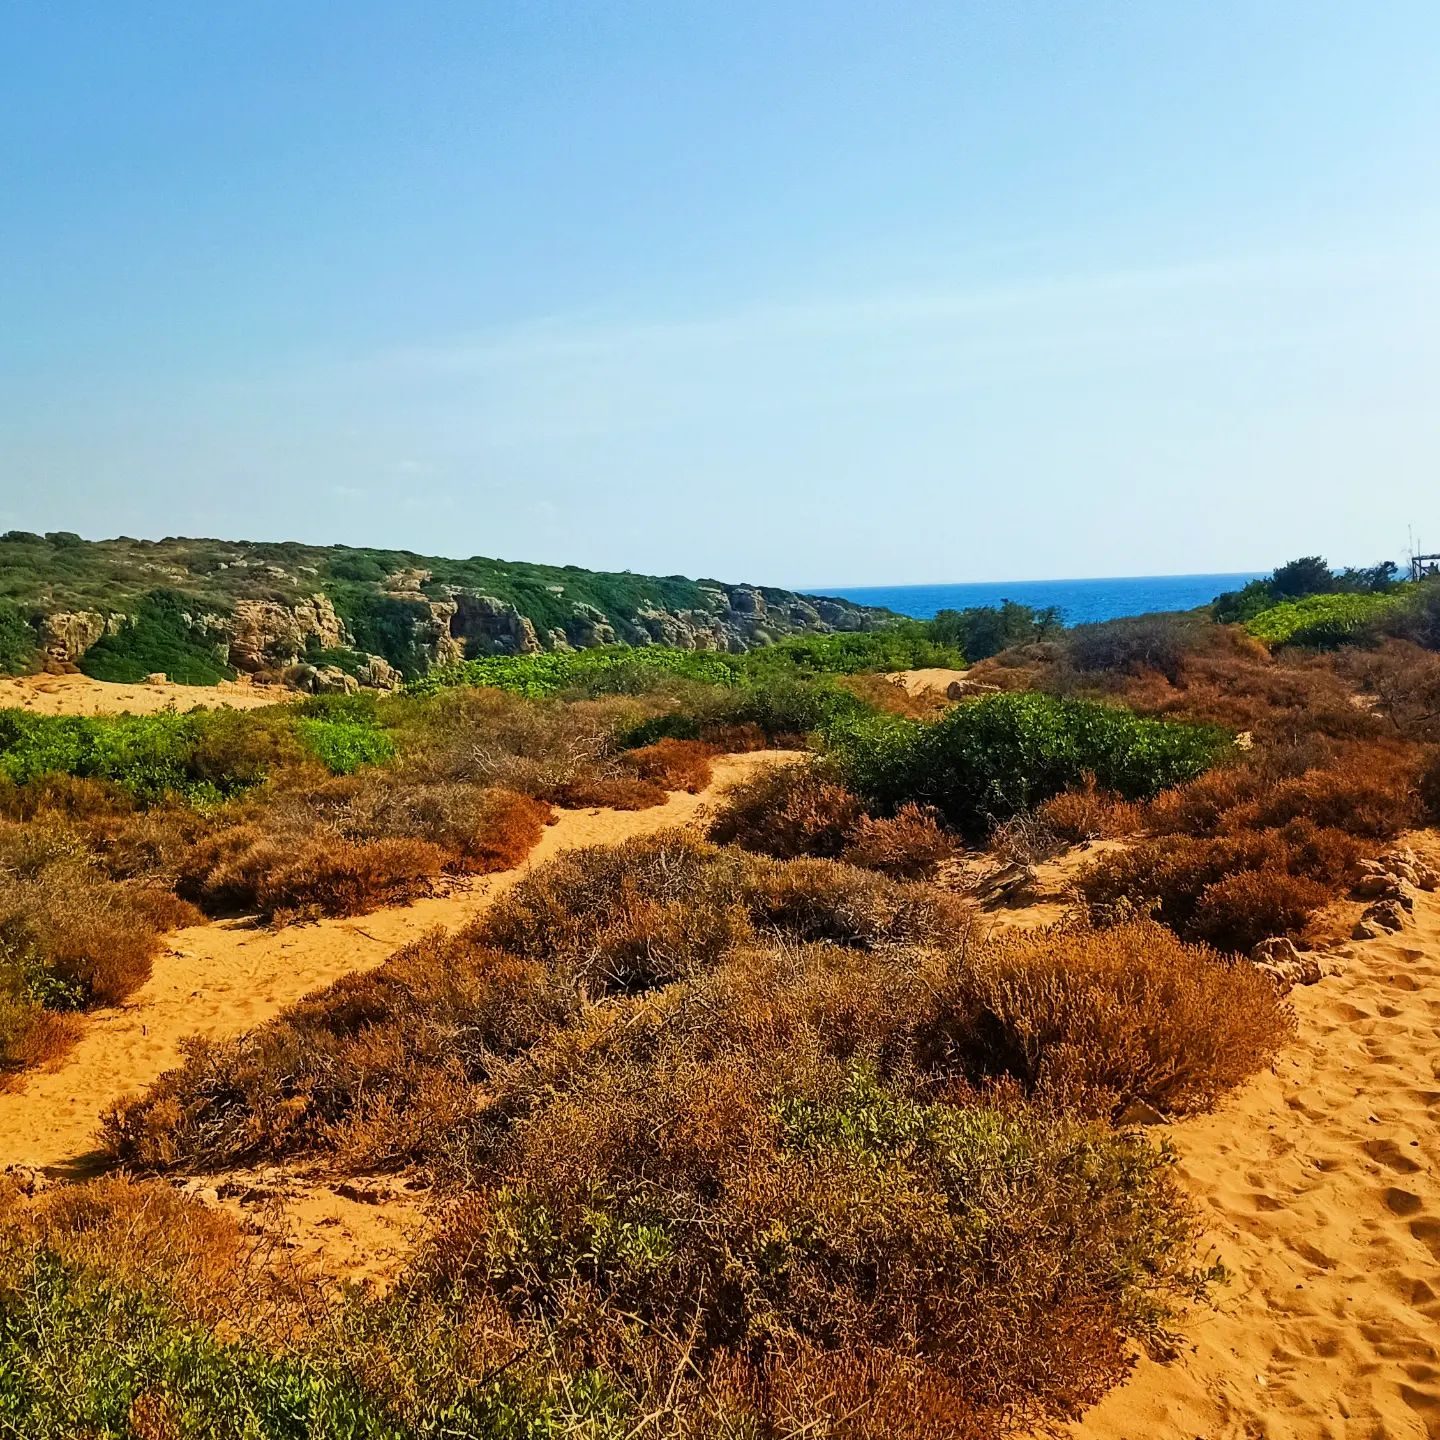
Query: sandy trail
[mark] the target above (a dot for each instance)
(220, 979)
(1319, 1185)
(80, 695)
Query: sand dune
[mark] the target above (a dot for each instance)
(1320, 1187)
(80, 695)
(220, 979)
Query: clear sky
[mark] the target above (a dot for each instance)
(803, 293)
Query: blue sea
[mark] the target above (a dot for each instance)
(1079, 600)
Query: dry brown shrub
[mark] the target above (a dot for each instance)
(1239, 911)
(1404, 681)
(147, 1237)
(1090, 814)
(892, 695)
(744, 1207)
(1429, 788)
(788, 811)
(332, 876)
(608, 792)
(374, 1068)
(1200, 807)
(1169, 877)
(673, 764)
(909, 845)
(736, 739)
(71, 796)
(1366, 790)
(829, 900)
(93, 937)
(1093, 1019)
(31, 1036)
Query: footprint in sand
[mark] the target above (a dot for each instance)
(1401, 1202)
(1390, 1155)
(1427, 1232)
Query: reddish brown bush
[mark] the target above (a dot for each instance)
(1368, 790)
(909, 845)
(788, 810)
(1170, 877)
(344, 877)
(1090, 814)
(673, 764)
(374, 1068)
(1241, 910)
(608, 792)
(1093, 1019)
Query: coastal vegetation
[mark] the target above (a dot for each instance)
(754, 1132)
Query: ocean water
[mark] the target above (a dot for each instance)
(1079, 600)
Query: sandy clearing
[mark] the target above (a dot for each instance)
(219, 979)
(80, 695)
(1319, 1185)
(934, 680)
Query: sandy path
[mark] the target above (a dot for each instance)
(80, 695)
(220, 979)
(1320, 1187)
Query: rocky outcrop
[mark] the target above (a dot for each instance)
(265, 635)
(487, 626)
(67, 634)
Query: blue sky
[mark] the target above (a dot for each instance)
(813, 294)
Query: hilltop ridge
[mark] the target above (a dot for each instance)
(203, 610)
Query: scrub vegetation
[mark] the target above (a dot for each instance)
(743, 1135)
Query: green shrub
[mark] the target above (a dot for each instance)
(17, 641)
(204, 754)
(1324, 621)
(986, 630)
(345, 745)
(165, 635)
(992, 758)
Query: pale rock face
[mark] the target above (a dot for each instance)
(265, 634)
(68, 634)
(379, 674)
(745, 600)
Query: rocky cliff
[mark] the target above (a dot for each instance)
(317, 615)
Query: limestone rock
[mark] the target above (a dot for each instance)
(265, 634)
(1279, 958)
(68, 634)
(590, 628)
(332, 680)
(1383, 917)
(379, 674)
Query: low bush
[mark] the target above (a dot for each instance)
(1094, 1019)
(909, 845)
(1324, 621)
(995, 757)
(1090, 813)
(343, 746)
(1191, 884)
(787, 811)
(673, 764)
(166, 634)
(743, 1212)
(652, 910)
(320, 875)
(69, 938)
(203, 754)
(374, 1068)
